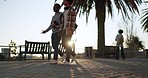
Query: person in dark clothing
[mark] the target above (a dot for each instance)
(55, 26)
(120, 39)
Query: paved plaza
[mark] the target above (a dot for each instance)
(82, 68)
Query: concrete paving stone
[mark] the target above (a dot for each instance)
(82, 68)
(116, 67)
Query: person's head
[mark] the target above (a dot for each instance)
(67, 3)
(56, 7)
(120, 31)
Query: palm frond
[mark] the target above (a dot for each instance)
(144, 19)
(84, 7)
(55, 0)
(117, 5)
(124, 10)
(145, 25)
(127, 5)
(110, 7)
(90, 6)
(145, 1)
(123, 6)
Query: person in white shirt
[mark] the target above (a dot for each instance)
(120, 39)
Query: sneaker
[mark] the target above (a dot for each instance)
(63, 57)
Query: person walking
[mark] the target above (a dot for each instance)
(120, 39)
(55, 26)
(68, 27)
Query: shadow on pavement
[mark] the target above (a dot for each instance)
(41, 69)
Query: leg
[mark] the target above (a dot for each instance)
(73, 50)
(60, 48)
(122, 53)
(63, 47)
(60, 53)
(73, 53)
(117, 52)
(66, 40)
(68, 55)
(73, 56)
(55, 42)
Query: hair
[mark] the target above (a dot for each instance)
(57, 5)
(120, 31)
(70, 1)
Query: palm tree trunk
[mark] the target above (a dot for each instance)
(100, 14)
(101, 32)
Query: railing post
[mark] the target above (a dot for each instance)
(20, 55)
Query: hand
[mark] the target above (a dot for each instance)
(43, 32)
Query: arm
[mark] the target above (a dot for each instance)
(49, 28)
(122, 38)
(56, 25)
(116, 38)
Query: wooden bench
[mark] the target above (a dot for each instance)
(35, 48)
(110, 51)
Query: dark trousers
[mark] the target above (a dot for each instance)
(122, 52)
(55, 43)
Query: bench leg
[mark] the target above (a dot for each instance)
(20, 56)
(25, 56)
(42, 56)
(49, 56)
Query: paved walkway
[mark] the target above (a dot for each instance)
(82, 68)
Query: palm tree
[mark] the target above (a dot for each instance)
(144, 18)
(101, 6)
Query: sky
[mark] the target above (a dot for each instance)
(22, 20)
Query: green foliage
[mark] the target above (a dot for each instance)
(135, 43)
